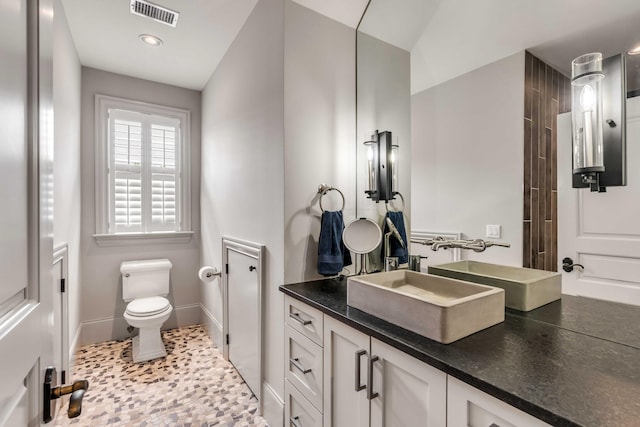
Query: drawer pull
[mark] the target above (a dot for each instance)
(359, 354)
(370, 394)
(295, 421)
(494, 425)
(296, 363)
(297, 318)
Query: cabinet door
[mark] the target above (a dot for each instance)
(346, 353)
(410, 392)
(470, 407)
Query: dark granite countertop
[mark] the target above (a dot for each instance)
(600, 319)
(557, 363)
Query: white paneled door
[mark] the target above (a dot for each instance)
(601, 231)
(26, 320)
(243, 310)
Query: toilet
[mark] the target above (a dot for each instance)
(145, 284)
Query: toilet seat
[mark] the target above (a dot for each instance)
(145, 307)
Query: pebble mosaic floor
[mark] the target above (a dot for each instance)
(192, 387)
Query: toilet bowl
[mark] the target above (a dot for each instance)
(144, 286)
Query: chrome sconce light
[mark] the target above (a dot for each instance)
(382, 167)
(598, 100)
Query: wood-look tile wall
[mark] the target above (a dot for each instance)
(547, 93)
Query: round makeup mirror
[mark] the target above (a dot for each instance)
(362, 236)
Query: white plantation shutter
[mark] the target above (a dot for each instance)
(163, 176)
(127, 175)
(144, 172)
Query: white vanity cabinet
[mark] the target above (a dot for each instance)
(337, 376)
(469, 407)
(369, 383)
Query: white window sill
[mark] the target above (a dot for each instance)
(127, 239)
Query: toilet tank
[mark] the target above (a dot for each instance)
(146, 278)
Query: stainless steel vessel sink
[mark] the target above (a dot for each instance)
(438, 308)
(526, 288)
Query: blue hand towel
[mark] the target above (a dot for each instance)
(396, 249)
(332, 254)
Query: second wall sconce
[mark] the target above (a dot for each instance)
(382, 167)
(598, 115)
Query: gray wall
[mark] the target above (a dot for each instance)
(242, 174)
(278, 120)
(319, 142)
(467, 156)
(102, 304)
(66, 175)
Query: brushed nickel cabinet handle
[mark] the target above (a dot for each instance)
(370, 393)
(299, 319)
(359, 354)
(296, 363)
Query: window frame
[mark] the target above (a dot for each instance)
(104, 237)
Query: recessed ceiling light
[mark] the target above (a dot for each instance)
(634, 51)
(150, 40)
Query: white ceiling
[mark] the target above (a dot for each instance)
(106, 37)
(462, 35)
(399, 23)
(347, 12)
(446, 38)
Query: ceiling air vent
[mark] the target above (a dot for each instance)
(155, 12)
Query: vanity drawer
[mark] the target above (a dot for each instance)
(298, 411)
(469, 407)
(303, 365)
(304, 319)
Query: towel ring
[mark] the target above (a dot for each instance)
(324, 189)
(401, 198)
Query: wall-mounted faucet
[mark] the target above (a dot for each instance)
(392, 231)
(391, 262)
(476, 245)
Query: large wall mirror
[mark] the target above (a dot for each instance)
(472, 92)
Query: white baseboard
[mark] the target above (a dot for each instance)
(212, 326)
(74, 345)
(115, 328)
(272, 406)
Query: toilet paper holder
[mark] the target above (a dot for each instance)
(213, 273)
(208, 274)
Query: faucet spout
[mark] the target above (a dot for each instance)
(393, 230)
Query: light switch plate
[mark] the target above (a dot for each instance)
(493, 231)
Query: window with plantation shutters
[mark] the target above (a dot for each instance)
(141, 168)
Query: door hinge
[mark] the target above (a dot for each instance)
(226, 268)
(63, 288)
(227, 339)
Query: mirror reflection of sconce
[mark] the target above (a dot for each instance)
(598, 99)
(382, 167)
